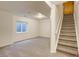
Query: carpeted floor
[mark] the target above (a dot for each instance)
(35, 47)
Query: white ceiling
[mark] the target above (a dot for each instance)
(58, 2)
(25, 8)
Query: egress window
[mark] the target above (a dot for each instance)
(21, 27)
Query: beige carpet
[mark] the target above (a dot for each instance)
(36, 47)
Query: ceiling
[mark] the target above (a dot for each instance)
(25, 8)
(58, 2)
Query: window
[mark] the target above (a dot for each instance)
(21, 27)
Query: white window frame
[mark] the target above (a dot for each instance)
(21, 27)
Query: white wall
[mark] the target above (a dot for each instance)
(53, 28)
(45, 28)
(6, 29)
(8, 33)
(76, 19)
(56, 23)
(59, 19)
(33, 28)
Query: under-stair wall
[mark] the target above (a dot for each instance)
(59, 19)
(56, 18)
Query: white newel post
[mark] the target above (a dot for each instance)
(53, 29)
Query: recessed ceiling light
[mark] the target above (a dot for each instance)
(40, 16)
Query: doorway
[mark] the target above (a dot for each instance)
(68, 7)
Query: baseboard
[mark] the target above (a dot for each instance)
(26, 39)
(22, 40)
(44, 37)
(6, 45)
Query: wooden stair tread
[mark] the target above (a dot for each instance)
(67, 22)
(67, 38)
(64, 54)
(68, 34)
(68, 27)
(68, 19)
(69, 50)
(68, 43)
(67, 30)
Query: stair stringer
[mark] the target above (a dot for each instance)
(76, 25)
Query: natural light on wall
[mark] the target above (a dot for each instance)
(39, 16)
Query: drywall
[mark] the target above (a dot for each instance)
(8, 33)
(33, 30)
(45, 28)
(76, 19)
(59, 19)
(53, 28)
(6, 29)
(56, 23)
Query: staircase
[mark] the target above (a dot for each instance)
(67, 41)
